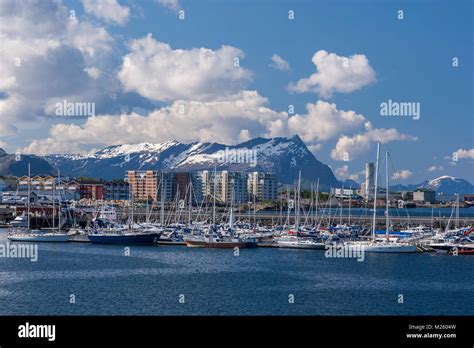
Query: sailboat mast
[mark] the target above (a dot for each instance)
(190, 203)
(387, 219)
(350, 202)
(59, 211)
(162, 203)
(375, 191)
(316, 204)
(342, 201)
(214, 199)
(29, 193)
(54, 204)
(297, 224)
(288, 197)
(231, 214)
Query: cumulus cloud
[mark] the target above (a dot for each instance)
(335, 74)
(343, 173)
(279, 63)
(229, 121)
(463, 154)
(156, 71)
(241, 117)
(46, 54)
(108, 10)
(323, 121)
(401, 174)
(171, 4)
(435, 168)
(352, 147)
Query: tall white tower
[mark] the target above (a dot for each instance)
(369, 180)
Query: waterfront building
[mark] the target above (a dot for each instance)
(116, 191)
(262, 186)
(93, 192)
(343, 193)
(143, 184)
(226, 183)
(169, 186)
(426, 196)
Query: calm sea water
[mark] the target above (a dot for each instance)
(215, 282)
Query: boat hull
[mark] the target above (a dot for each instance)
(58, 238)
(124, 239)
(391, 249)
(317, 246)
(219, 245)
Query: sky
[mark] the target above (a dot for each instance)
(230, 71)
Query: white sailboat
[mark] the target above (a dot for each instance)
(28, 235)
(295, 241)
(386, 246)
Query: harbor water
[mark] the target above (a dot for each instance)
(87, 279)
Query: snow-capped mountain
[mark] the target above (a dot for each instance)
(443, 184)
(282, 156)
(448, 185)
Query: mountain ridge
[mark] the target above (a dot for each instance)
(282, 156)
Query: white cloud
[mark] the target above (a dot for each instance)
(229, 121)
(402, 174)
(463, 154)
(336, 74)
(343, 173)
(93, 72)
(353, 146)
(279, 63)
(156, 71)
(323, 121)
(435, 168)
(171, 4)
(108, 10)
(45, 54)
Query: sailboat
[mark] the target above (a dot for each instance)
(29, 235)
(294, 241)
(218, 238)
(124, 235)
(385, 246)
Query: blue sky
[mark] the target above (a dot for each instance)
(411, 58)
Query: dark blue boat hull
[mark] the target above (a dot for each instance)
(135, 239)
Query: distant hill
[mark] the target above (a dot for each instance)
(9, 165)
(443, 184)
